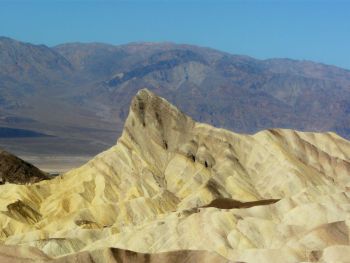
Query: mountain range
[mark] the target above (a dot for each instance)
(73, 98)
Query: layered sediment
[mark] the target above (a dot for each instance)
(175, 190)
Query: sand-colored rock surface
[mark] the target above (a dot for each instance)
(171, 184)
(15, 254)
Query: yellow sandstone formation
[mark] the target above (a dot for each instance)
(174, 190)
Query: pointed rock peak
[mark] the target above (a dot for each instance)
(154, 118)
(149, 108)
(144, 92)
(146, 104)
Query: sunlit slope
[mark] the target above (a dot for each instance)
(172, 184)
(23, 254)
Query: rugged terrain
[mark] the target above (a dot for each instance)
(173, 189)
(16, 171)
(79, 93)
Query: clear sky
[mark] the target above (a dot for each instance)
(309, 29)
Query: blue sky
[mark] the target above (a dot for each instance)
(312, 30)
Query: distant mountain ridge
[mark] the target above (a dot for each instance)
(80, 92)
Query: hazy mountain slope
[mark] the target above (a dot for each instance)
(27, 70)
(235, 92)
(78, 92)
(164, 185)
(36, 83)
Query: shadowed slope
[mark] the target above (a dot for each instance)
(17, 171)
(226, 203)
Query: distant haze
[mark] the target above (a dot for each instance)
(73, 98)
(311, 30)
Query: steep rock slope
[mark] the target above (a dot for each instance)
(172, 184)
(17, 171)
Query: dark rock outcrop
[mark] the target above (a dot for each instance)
(15, 170)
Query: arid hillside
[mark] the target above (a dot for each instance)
(176, 190)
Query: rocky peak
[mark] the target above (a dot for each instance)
(154, 118)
